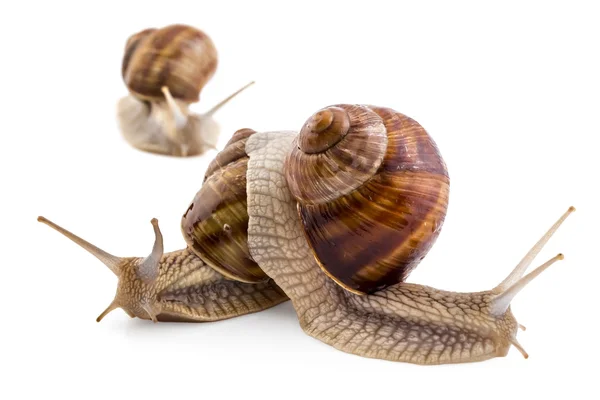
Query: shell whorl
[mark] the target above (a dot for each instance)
(338, 149)
(179, 57)
(215, 225)
(323, 130)
(373, 200)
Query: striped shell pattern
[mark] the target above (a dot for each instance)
(372, 192)
(179, 57)
(215, 225)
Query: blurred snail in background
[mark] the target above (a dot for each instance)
(334, 217)
(165, 71)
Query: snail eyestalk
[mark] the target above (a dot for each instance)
(227, 99)
(515, 282)
(148, 268)
(174, 121)
(112, 262)
(520, 269)
(178, 118)
(500, 304)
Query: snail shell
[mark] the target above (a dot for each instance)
(372, 192)
(215, 226)
(179, 57)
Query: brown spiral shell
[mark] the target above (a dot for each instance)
(179, 57)
(372, 192)
(215, 226)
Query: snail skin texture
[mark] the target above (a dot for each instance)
(165, 71)
(363, 311)
(177, 286)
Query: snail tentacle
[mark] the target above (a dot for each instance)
(520, 269)
(501, 302)
(112, 306)
(226, 100)
(112, 262)
(148, 268)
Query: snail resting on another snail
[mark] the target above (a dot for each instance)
(164, 71)
(335, 217)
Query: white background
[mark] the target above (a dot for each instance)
(510, 93)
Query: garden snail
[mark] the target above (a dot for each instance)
(352, 170)
(164, 71)
(181, 286)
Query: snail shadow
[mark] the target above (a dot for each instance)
(283, 313)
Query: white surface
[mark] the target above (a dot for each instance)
(509, 92)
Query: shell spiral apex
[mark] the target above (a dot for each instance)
(323, 130)
(372, 192)
(338, 149)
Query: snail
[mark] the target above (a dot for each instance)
(335, 217)
(164, 71)
(177, 286)
(187, 285)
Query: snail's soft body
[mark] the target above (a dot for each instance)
(177, 286)
(253, 220)
(165, 70)
(143, 126)
(189, 290)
